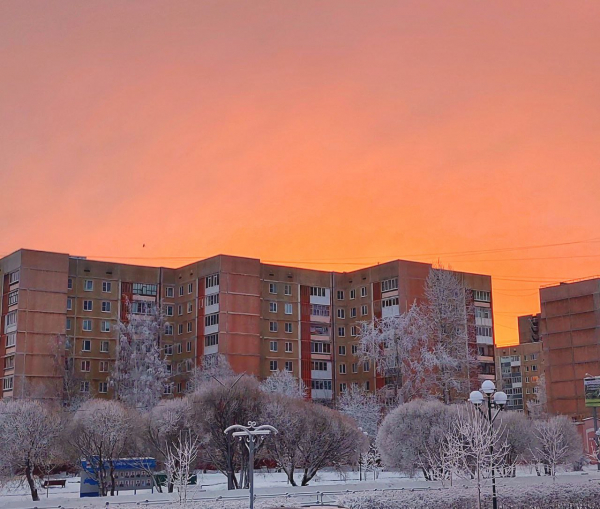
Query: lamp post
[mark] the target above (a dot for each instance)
(360, 457)
(252, 436)
(495, 400)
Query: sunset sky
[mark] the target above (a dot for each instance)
(325, 134)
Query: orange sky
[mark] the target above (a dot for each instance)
(340, 132)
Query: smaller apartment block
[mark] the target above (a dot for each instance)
(59, 316)
(570, 328)
(519, 367)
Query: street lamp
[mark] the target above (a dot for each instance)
(497, 400)
(251, 436)
(360, 456)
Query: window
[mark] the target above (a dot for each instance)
(319, 330)
(340, 295)
(211, 340)
(189, 327)
(273, 307)
(481, 296)
(367, 385)
(9, 362)
(289, 366)
(213, 299)
(320, 385)
(87, 325)
(10, 319)
(168, 349)
(11, 339)
(145, 289)
(179, 348)
(481, 312)
(69, 303)
(142, 308)
(341, 350)
(169, 368)
(533, 356)
(188, 346)
(179, 310)
(272, 288)
(364, 310)
(105, 306)
(341, 332)
(190, 307)
(169, 292)
(317, 291)
(273, 346)
(180, 329)
(273, 365)
(388, 303)
(342, 369)
(389, 284)
(289, 327)
(7, 383)
(104, 346)
(481, 330)
(353, 294)
(86, 345)
(287, 290)
(168, 329)
(87, 305)
(366, 366)
(88, 285)
(104, 326)
(319, 366)
(526, 379)
(343, 387)
(102, 387)
(319, 310)
(341, 313)
(13, 298)
(354, 367)
(534, 368)
(212, 280)
(363, 291)
(352, 312)
(354, 349)
(106, 286)
(169, 310)
(273, 326)
(353, 330)
(288, 309)
(68, 326)
(84, 386)
(320, 347)
(69, 284)
(168, 389)
(181, 290)
(190, 288)
(211, 319)
(85, 366)
(179, 387)
(289, 347)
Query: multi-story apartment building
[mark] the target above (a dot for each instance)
(519, 367)
(59, 316)
(570, 330)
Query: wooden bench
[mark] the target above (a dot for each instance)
(55, 482)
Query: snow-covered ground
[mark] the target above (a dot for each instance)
(271, 484)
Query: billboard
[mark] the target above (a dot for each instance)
(591, 387)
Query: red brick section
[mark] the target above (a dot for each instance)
(126, 298)
(200, 328)
(2, 315)
(379, 379)
(305, 336)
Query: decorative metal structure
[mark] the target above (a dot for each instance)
(252, 436)
(497, 400)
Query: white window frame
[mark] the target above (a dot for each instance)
(87, 322)
(289, 347)
(273, 365)
(272, 307)
(273, 288)
(88, 285)
(288, 328)
(273, 346)
(88, 343)
(106, 286)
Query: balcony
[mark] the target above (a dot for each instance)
(485, 358)
(321, 394)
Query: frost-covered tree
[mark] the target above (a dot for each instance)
(556, 442)
(140, 372)
(538, 408)
(64, 369)
(180, 461)
(393, 345)
(284, 382)
(448, 359)
(517, 433)
(362, 406)
(30, 432)
(411, 437)
(213, 366)
(98, 433)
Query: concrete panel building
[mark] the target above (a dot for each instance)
(59, 315)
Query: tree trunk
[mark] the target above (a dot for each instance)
(29, 474)
(112, 479)
(290, 475)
